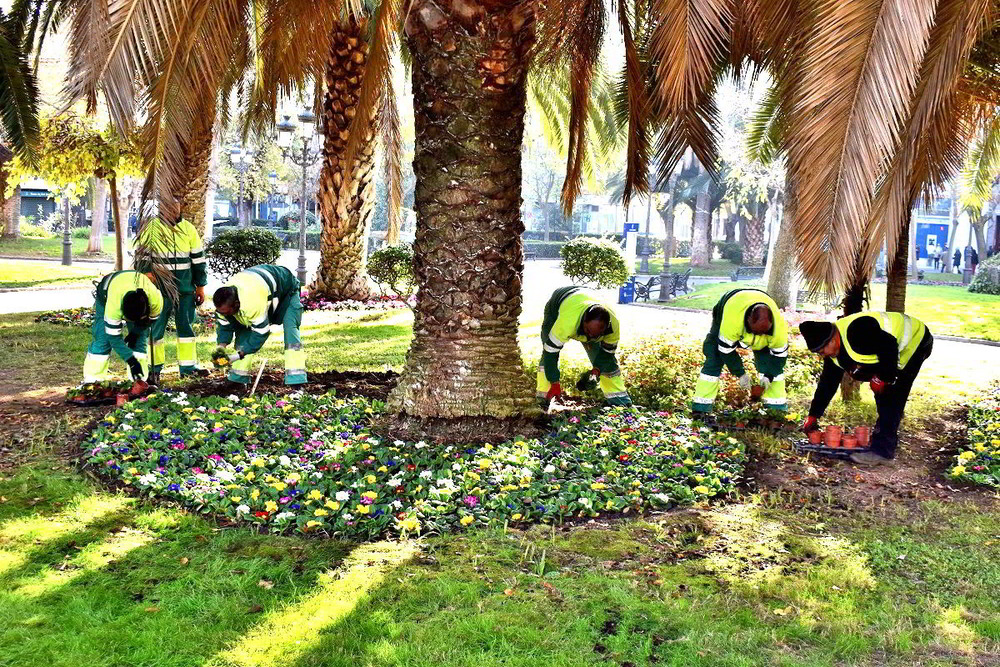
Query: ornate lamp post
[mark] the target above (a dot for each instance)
(302, 157)
(241, 160)
(67, 258)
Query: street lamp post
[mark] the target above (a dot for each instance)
(240, 159)
(300, 158)
(67, 259)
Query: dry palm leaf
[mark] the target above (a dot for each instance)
(392, 158)
(637, 101)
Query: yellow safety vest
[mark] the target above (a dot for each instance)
(908, 332)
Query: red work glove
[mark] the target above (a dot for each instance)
(810, 424)
(554, 390)
(877, 385)
(199, 295)
(596, 372)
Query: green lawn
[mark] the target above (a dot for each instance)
(947, 310)
(95, 577)
(14, 273)
(719, 267)
(35, 247)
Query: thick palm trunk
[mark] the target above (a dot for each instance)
(346, 192)
(753, 244)
(895, 289)
(469, 101)
(783, 261)
(99, 218)
(11, 212)
(979, 226)
(700, 249)
(197, 167)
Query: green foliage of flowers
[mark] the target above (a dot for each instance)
(594, 262)
(987, 278)
(980, 463)
(84, 317)
(661, 373)
(309, 463)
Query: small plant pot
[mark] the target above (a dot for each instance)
(121, 400)
(832, 436)
(863, 434)
(756, 392)
(815, 437)
(850, 442)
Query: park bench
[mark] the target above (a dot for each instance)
(747, 273)
(644, 290)
(530, 254)
(671, 283)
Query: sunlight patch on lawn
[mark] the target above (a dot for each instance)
(955, 632)
(289, 633)
(39, 529)
(91, 558)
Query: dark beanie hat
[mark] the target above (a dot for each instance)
(817, 334)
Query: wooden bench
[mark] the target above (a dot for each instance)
(747, 273)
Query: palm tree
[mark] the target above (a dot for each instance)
(18, 91)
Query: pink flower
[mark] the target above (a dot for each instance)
(471, 501)
(284, 499)
(196, 470)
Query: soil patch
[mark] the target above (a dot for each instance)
(345, 383)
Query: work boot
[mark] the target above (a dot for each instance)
(197, 373)
(706, 418)
(154, 379)
(868, 459)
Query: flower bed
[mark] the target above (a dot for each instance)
(309, 463)
(981, 462)
(318, 302)
(84, 317)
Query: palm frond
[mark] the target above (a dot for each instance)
(860, 65)
(635, 96)
(982, 167)
(584, 60)
(766, 128)
(932, 145)
(552, 106)
(392, 158)
(18, 91)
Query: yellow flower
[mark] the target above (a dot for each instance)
(147, 427)
(597, 486)
(236, 499)
(515, 517)
(371, 495)
(484, 464)
(383, 469)
(370, 479)
(315, 495)
(241, 411)
(294, 477)
(270, 506)
(965, 457)
(133, 471)
(332, 504)
(958, 470)
(250, 475)
(259, 462)
(689, 461)
(703, 490)
(165, 431)
(278, 486)
(363, 509)
(609, 505)
(218, 424)
(320, 513)
(112, 420)
(467, 519)
(313, 524)
(188, 410)
(409, 524)
(255, 494)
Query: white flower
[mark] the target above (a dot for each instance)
(284, 515)
(347, 516)
(147, 479)
(395, 481)
(317, 475)
(233, 397)
(549, 468)
(526, 472)
(294, 420)
(398, 443)
(342, 496)
(454, 466)
(584, 501)
(604, 452)
(422, 444)
(284, 460)
(224, 475)
(427, 474)
(125, 427)
(242, 509)
(396, 504)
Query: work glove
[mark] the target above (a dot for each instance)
(236, 356)
(745, 381)
(135, 368)
(131, 339)
(588, 380)
(877, 385)
(765, 382)
(810, 424)
(554, 391)
(199, 295)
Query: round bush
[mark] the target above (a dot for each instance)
(597, 262)
(235, 250)
(683, 248)
(291, 220)
(987, 278)
(391, 268)
(311, 464)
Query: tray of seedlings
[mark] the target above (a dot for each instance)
(835, 441)
(105, 393)
(753, 418)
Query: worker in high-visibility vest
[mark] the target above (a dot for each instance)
(884, 349)
(572, 314)
(247, 306)
(177, 248)
(750, 319)
(126, 304)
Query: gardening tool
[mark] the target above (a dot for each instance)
(259, 373)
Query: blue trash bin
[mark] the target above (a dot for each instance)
(626, 293)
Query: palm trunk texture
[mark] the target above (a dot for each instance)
(781, 278)
(701, 251)
(197, 165)
(464, 364)
(346, 211)
(896, 276)
(98, 220)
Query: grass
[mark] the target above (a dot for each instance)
(946, 310)
(94, 577)
(53, 247)
(15, 274)
(719, 267)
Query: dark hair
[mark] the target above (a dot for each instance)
(135, 306)
(759, 312)
(599, 313)
(225, 296)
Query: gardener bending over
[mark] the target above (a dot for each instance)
(884, 349)
(572, 314)
(247, 306)
(746, 318)
(126, 304)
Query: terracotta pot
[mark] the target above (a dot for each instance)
(863, 434)
(815, 437)
(121, 400)
(832, 436)
(756, 391)
(850, 442)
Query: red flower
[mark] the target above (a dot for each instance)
(623, 457)
(411, 467)
(400, 490)
(261, 514)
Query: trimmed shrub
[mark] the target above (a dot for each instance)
(391, 268)
(683, 249)
(545, 250)
(33, 231)
(234, 250)
(987, 278)
(732, 252)
(291, 220)
(597, 262)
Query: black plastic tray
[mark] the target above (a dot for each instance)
(93, 402)
(805, 447)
